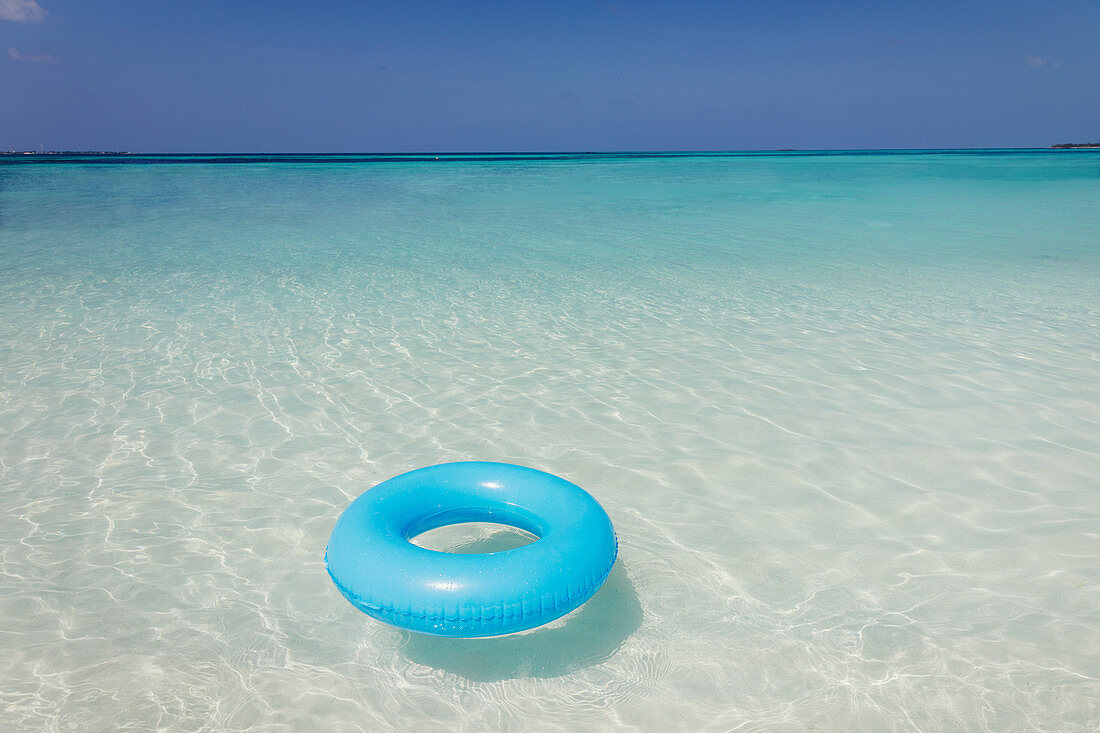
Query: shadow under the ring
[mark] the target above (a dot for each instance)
(588, 636)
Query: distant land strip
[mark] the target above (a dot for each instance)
(124, 157)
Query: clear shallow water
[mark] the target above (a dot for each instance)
(843, 410)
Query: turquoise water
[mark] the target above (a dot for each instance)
(844, 411)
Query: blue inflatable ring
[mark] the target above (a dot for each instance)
(385, 576)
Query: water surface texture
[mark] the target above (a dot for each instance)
(844, 411)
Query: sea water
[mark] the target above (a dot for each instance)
(843, 410)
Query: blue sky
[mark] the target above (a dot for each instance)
(341, 76)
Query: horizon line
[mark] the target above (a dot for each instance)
(479, 153)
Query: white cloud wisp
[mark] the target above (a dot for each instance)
(34, 58)
(22, 11)
(1038, 62)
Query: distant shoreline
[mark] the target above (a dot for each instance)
(130, 156)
